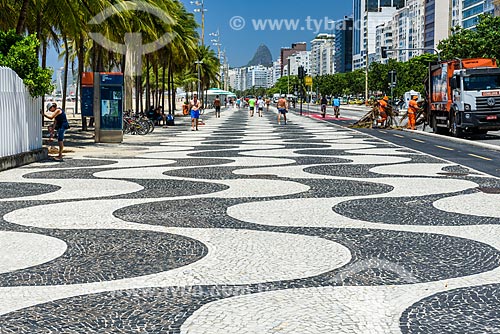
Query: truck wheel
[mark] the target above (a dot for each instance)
(455, 130)
(436, 129)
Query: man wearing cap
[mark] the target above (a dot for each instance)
(412, 112)
(61, 125)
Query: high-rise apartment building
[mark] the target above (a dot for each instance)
(343, 45)
(465, 13)
(287, 52)
(301, 58)
(322, 49)
(368, 14)
(408, 26)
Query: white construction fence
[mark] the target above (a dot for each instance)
(20, 119)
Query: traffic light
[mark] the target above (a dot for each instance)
(301, 72)
(383, 50)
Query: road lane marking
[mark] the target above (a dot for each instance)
(399, 136)
(480, 157)
(382, 131)
(445, 148)
(419, 141)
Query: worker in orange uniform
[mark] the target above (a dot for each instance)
(412, 112)
(382, 108)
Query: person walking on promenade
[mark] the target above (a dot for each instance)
(61, 125)
(282, 109)
(412, 113)
(268, 103)
(251, 105)
(195, 112)
(260, 105)
(238, 103)
(217, 106)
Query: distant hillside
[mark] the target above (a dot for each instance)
(262, 57)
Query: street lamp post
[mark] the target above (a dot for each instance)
(198, 65)
(201, 10)
(216, 42)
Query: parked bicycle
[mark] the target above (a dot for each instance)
(137, 124)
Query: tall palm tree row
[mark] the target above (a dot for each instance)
(64, 25)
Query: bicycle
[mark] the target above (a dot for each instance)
(336, 111)
(323, 110)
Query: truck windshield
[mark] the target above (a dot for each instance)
(482, 82)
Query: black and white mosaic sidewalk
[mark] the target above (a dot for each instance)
(247, 226)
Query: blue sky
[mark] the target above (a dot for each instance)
(241, 45)
(311, 17)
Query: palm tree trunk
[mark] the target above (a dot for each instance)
(163, 83)
(171, 75)
(22, 17)
(66, 67)
(129, 86)
(137, 93)
(157, 79)
(169, 86)
(148, 101)
(81, 61)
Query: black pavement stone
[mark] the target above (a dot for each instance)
(474, 310)
(106, 255)
(19, 189)
(425, 257)
(409, 211)
(71, 163)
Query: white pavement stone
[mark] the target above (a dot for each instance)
(23, 250)
(234, 257)
(477, 204)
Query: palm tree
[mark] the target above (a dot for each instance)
(209, 69)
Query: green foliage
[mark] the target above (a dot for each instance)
(20, 54)
(411, 74)
(350, 83)
(284, 85)
(479, 43)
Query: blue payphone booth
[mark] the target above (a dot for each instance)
(108, 107)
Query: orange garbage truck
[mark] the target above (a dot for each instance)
(463, 96)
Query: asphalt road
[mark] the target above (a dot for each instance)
(468, 152)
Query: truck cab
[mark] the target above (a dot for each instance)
(465, 97)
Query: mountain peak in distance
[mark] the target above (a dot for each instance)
(262, 56)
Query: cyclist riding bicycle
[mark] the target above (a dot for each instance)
(336, 107)
(324, 102)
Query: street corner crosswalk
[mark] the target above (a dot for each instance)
(248, 226)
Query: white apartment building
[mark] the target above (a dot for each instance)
(232, 73)
(301, 58)
(438, 20)
(408, 29)
(327, 57)
(322, 49)
(383, 39)
(257, 76)
(368, 14)
(275, 72)
(238, 78)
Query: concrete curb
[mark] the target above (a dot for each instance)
(457, 140)
(22, 159)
